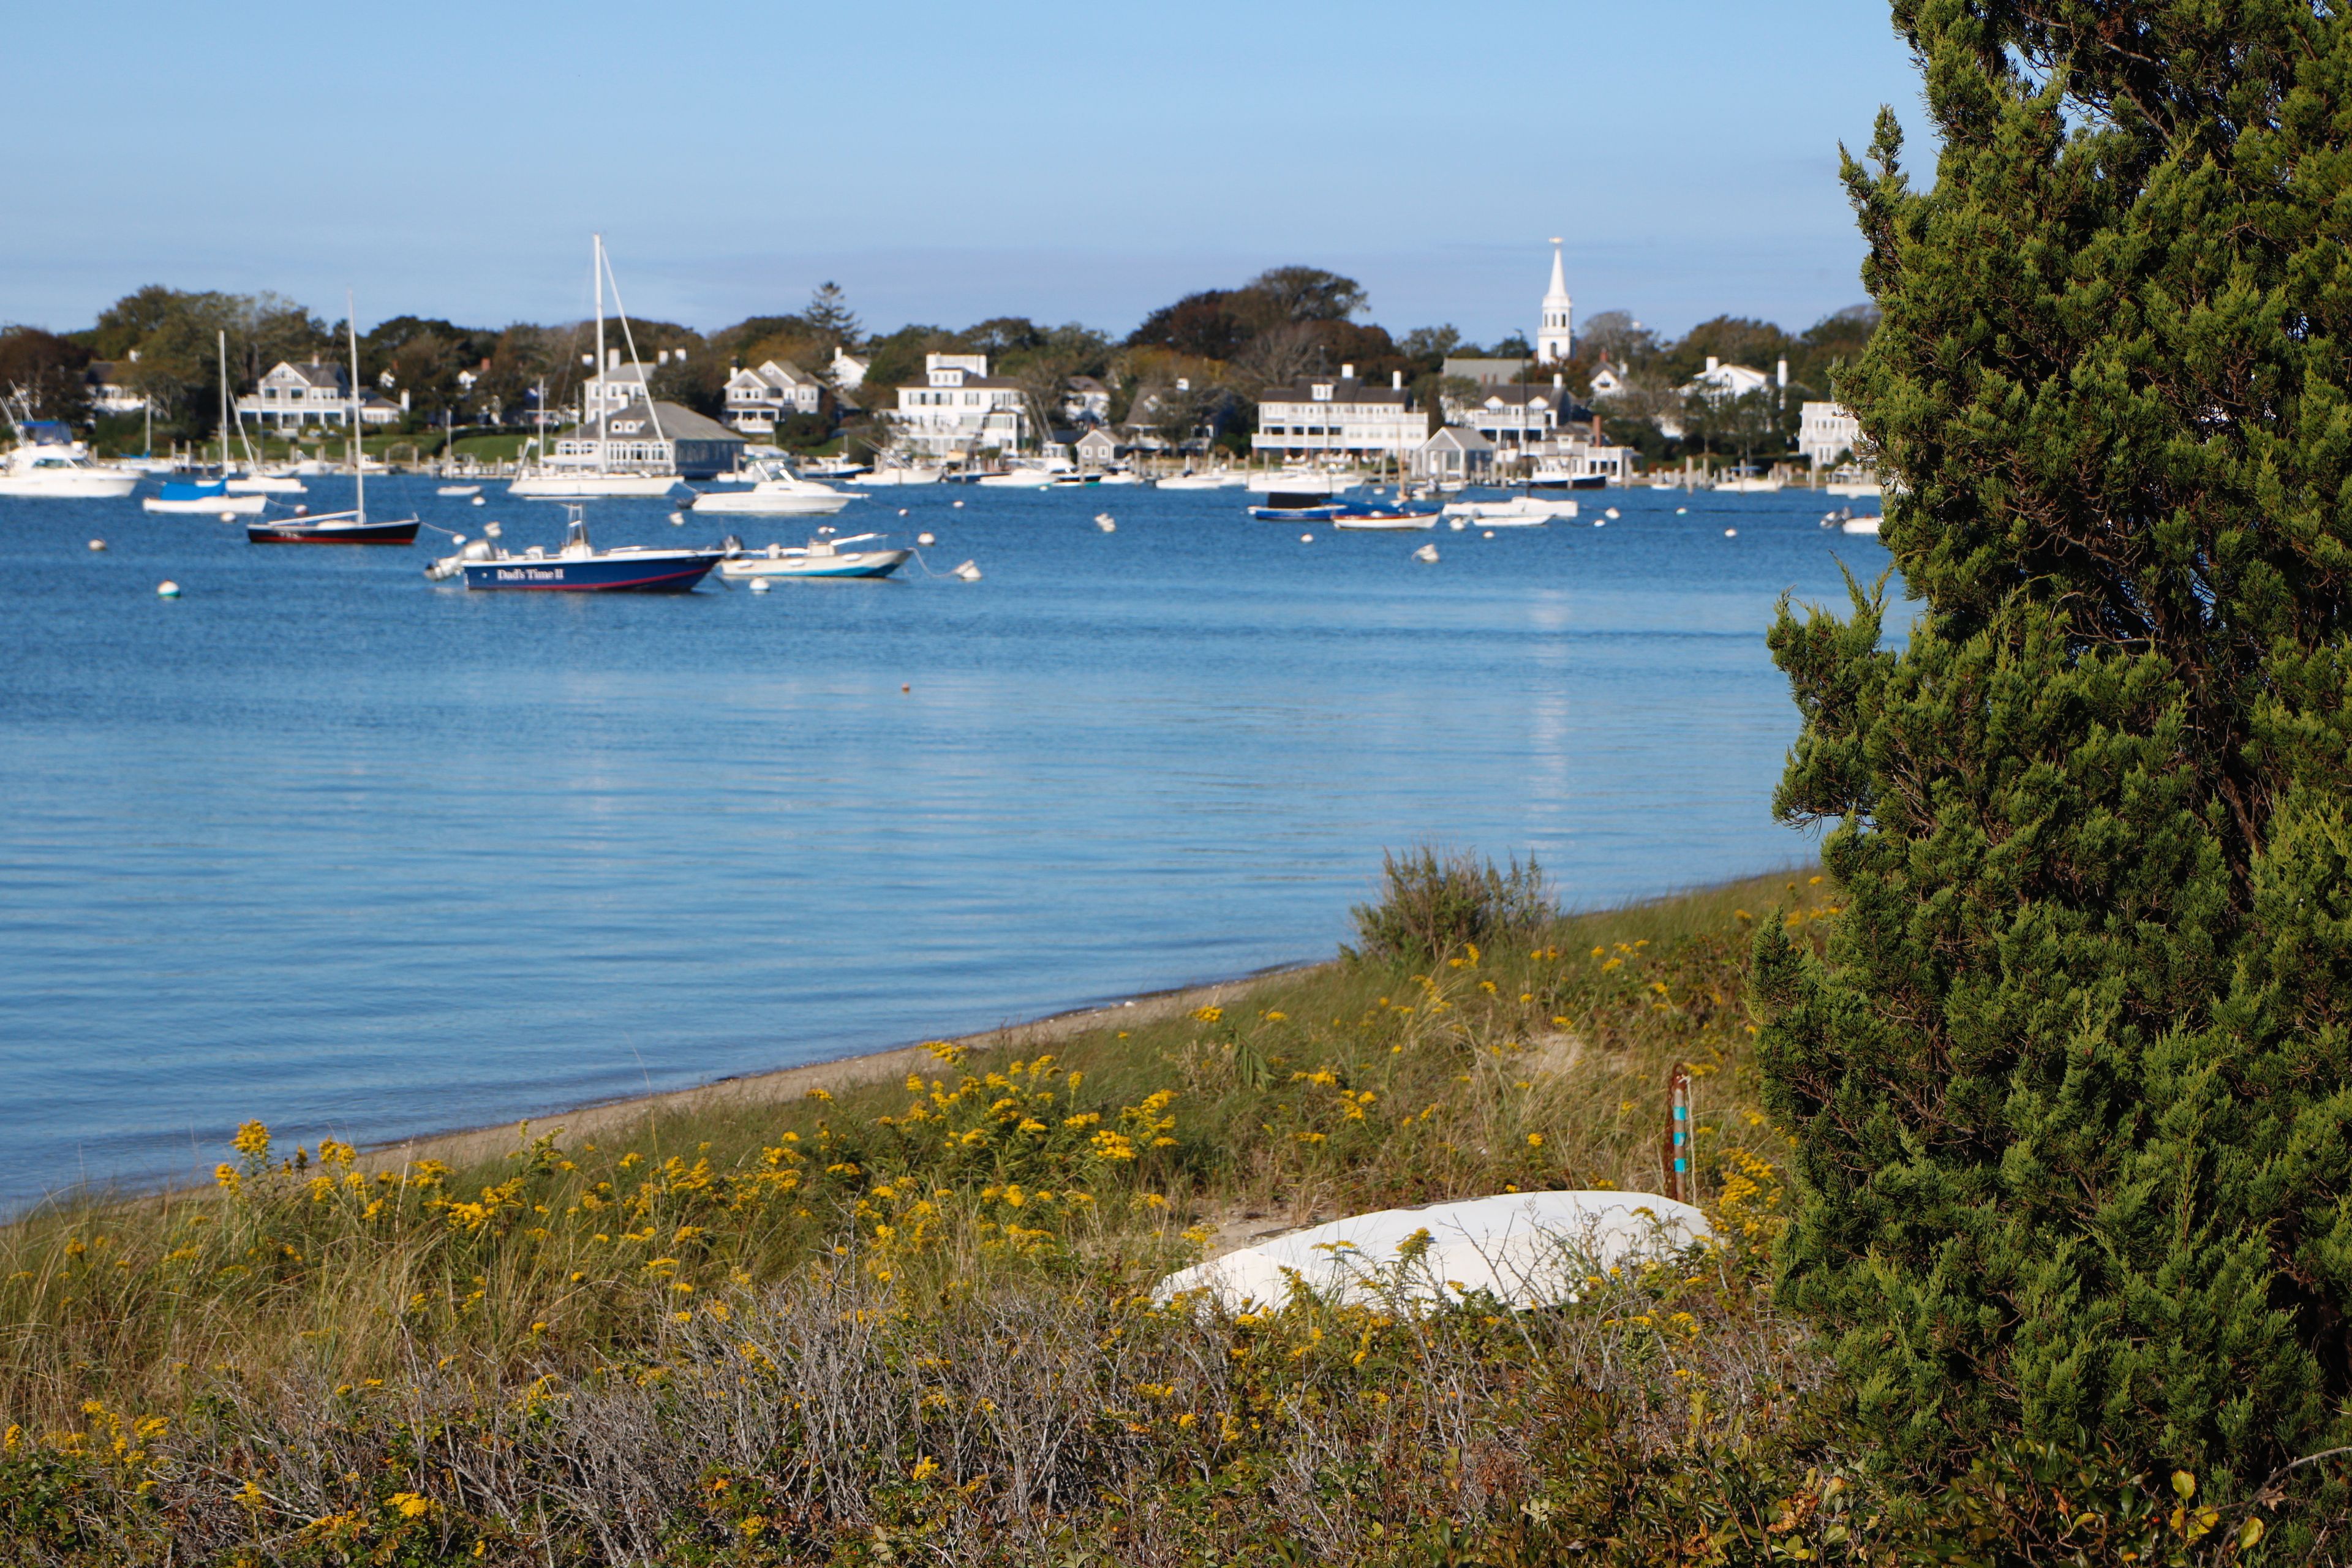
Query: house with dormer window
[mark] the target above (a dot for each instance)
(756, 399)
(292, 396)
(1339, 415)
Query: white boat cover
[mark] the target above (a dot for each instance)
(1526, 1249)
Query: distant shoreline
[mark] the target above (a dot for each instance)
(461, 1147)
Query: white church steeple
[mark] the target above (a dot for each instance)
(1554, 341)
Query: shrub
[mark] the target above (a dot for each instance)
(2072, 1085)
(1431, 907)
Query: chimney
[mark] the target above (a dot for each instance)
(1557, 381)
(1396, 381)
(404, 400)
(612, 360)
(1711, 363)
(1347, 373)
(1784, 376)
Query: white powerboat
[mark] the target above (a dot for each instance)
(1862, 525)
(820, 557)
(1034, 473)
(265, 485)
(47, 461)
(1299, 482)
(587, 484)
(458, 491)
(778, 492)
(1205, 480)
(1519, 511)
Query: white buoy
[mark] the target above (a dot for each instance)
(968, 571)
(758, 584)
(1680, 510)
(98, 544)
(956, 504)
(1599, 522)
(1102, 517)
(479, 502)
(924, 539)
(228, 517)
(902, 511)
(1427, 553)
(1107, 525)
(1489, 534)
(1730, 533)
(678, 519)
(1610, 512)
(167, 589)
(1305, 539)
(1458, 523)
(491, 530)
(456, 539)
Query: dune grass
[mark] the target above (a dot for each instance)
(913, 1321)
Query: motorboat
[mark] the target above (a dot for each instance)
(1204, 479)
(1034, 473)
(820, 557)
(1297, 495)
(1747, 484)
(1299, 482)
(894, 475)
(579, 567)
(264, 484)
(1862, 525)
(1394, 517)
(1553, 474)
(458, 490)
(1518, 511)
(47, 461)
(776, 492)
(1118, 477)
(835, 468)
(552, 483)
(203, 498)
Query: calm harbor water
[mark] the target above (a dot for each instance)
(326, 845)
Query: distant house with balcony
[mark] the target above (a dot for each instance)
(1520, 419)
(1339, 415)
(958, 409)
(1826, 432)
(757, 399)
(293, 395)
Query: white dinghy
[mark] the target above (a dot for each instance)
(1525, 1249)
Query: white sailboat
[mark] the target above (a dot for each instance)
(207, 497)
(556, 479)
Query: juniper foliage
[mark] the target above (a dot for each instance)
(2069, 1085)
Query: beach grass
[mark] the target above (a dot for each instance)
(913, 1317)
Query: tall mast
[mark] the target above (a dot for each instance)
(358, 453)
(224, 402)
(603, 393)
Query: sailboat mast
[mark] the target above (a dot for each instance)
(597, 381)
(223, 401)
(359, 452)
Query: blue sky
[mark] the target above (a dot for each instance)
(945, 163)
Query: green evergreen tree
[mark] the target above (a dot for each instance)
(2071, 1082)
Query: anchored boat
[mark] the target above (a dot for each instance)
(351, 527)
(579, 567)
(820, 557)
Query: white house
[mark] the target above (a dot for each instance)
(1518, 419)
(959, 409)
(1826, 432)
(292, 396)
(1608, 381)
(1325, 416)
(849, 371)
(756, 399)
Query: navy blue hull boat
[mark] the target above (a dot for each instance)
(578, 568)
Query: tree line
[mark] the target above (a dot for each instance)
(1197, 365)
